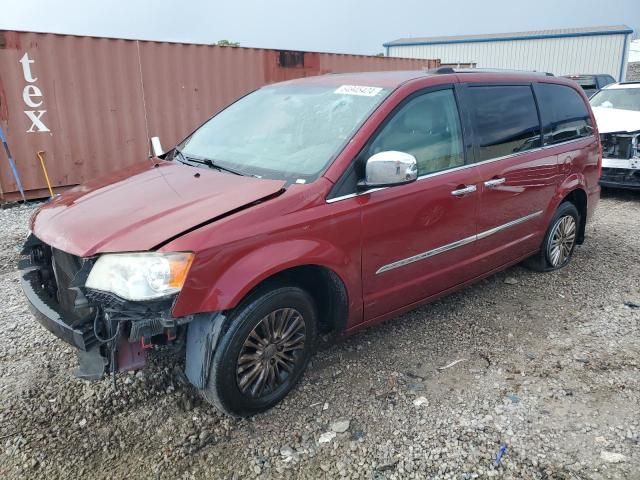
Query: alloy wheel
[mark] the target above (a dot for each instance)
(562, 240)
(270, 352)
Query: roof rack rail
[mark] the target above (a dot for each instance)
(629, 82)
(444, 70)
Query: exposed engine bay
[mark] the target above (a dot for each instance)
(621, 145)
(111, 334)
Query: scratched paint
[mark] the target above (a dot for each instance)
(92, 104)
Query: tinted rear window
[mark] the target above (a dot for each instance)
(505, 120)
(564, 114)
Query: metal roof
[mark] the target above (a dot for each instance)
(384, 79)
(502, 37)
(393, 79)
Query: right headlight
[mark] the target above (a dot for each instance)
(140, 276)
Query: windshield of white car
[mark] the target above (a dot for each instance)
(285, 132)
(621, 98)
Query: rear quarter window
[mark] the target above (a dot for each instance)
(505, 120)
(564, 114)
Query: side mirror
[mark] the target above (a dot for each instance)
(156, 148)
(386, 169)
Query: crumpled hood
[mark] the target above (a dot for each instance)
(138, 208)
(616, 120)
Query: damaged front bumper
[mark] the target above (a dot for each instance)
(111, 334)
(621, 173)
(618, 178)
(620, 160)
(49, 314)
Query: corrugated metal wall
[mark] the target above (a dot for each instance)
(585, 54)
(92, 103)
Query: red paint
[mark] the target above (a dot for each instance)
(144, 206)
(140, 207)
(401, 222)
(531, 181)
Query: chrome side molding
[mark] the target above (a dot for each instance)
(457, 243)
(512, 223)
(463, 167)
(422, 256)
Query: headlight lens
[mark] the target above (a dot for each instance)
(140, 276)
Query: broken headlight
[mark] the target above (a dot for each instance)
(140, 276)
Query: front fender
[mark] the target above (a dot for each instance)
(219, 282)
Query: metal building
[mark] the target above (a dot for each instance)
(561, 51)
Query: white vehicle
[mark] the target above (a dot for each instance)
(617, 111)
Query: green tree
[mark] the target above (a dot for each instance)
(227, 43)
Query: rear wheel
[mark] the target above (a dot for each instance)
(559, 241)
(264, 352)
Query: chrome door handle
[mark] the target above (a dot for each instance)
(464, 191)
(494, 182)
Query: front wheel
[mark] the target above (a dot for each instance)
(559, 241)
(264, 352)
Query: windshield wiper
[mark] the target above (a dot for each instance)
(212, 164)
(180, 155)
(208, 162)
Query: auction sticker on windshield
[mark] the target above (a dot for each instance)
(358, 90)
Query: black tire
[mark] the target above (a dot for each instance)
(223, 389)
(545, 260)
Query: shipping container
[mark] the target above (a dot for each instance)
(92, 104)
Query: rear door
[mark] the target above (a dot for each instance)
(418, 238)
(518, 177)
(568, 131)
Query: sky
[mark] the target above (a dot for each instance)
(329, 25)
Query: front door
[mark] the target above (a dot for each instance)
(418, 239)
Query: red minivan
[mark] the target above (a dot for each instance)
(319, 205)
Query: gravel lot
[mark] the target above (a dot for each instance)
(550, 367)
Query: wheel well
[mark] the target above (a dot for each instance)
(327, 290)
(579, 198)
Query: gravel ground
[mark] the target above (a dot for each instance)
(548, 364)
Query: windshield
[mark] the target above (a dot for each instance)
(622, 98)
(289, 132)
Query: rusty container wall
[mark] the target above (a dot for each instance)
(93, 103)
(185, 84)
(332, 62)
